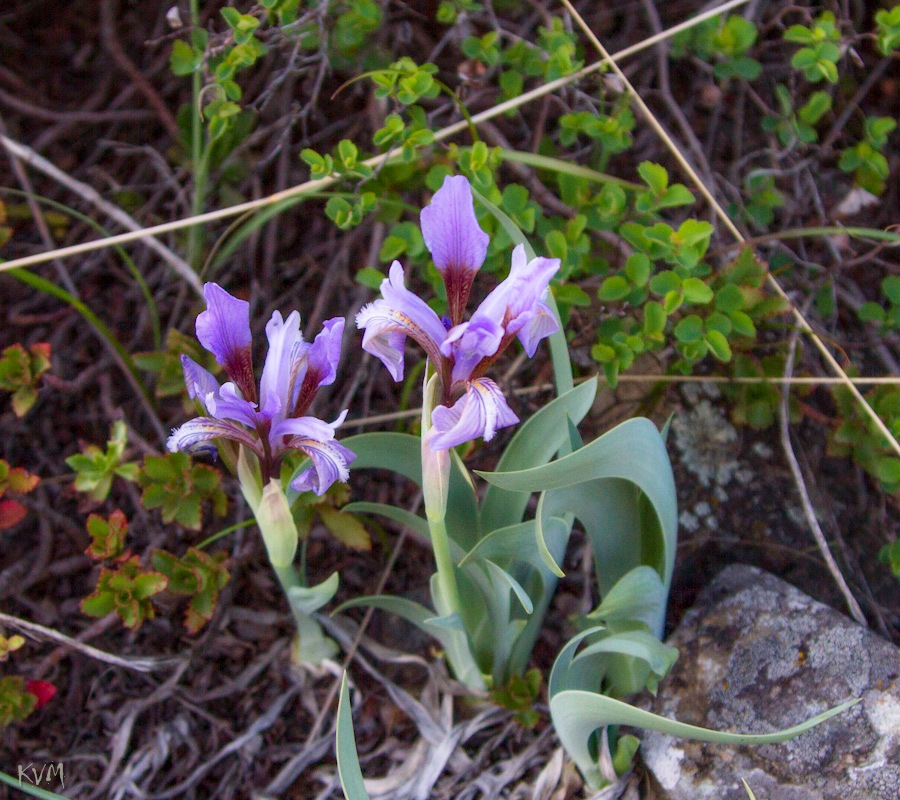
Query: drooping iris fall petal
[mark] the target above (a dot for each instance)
(400, 313)
(198, 435)
(479, 413)
(315, 438)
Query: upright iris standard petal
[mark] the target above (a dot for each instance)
(516, 303)
(198, 381)
(457, 243)
(325, 353)
(321, 365)
(480, 412)
(285, 346)
(450, 229)
(399, 314)
(224, 330)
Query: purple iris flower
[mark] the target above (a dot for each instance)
(461, 351)
(272, 421)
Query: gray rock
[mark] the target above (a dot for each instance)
(757, 655)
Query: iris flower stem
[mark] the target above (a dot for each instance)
(440, 543)
(436, 487)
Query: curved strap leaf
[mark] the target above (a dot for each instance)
(626, 662)
(542, 519)
(309, 599)
(543, 581)
(495, 640)
(510, 582)
(577, 714)
(413, 612)
(561, 676)
(349, 771)
(610, 513)
(633, 451)
(638, 596)
(535, 442)
(412, 521)
(451, 622)
(459, 647)
(622, 489)
(640, 644)
(523, 542)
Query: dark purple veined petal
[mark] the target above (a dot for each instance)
(285, 347)
(399, 314)
(455, 240)
(198, 435)
(330, 463)
(198, 381)
(480, 412)
(224, 330)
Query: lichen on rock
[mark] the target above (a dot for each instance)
(758, 655)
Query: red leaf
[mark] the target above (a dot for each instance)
(42, 690)
(11, 513)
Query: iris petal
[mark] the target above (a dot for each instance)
(227, 404)
(457, 243)
(285, 345)
(197, 435)
(480, 412)
(224, 330)
(387, 323)
(330, 459)
(330, 462)
(450, 229)
(198, 381)
(469, 342)
(325, 352)
(516, 303)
